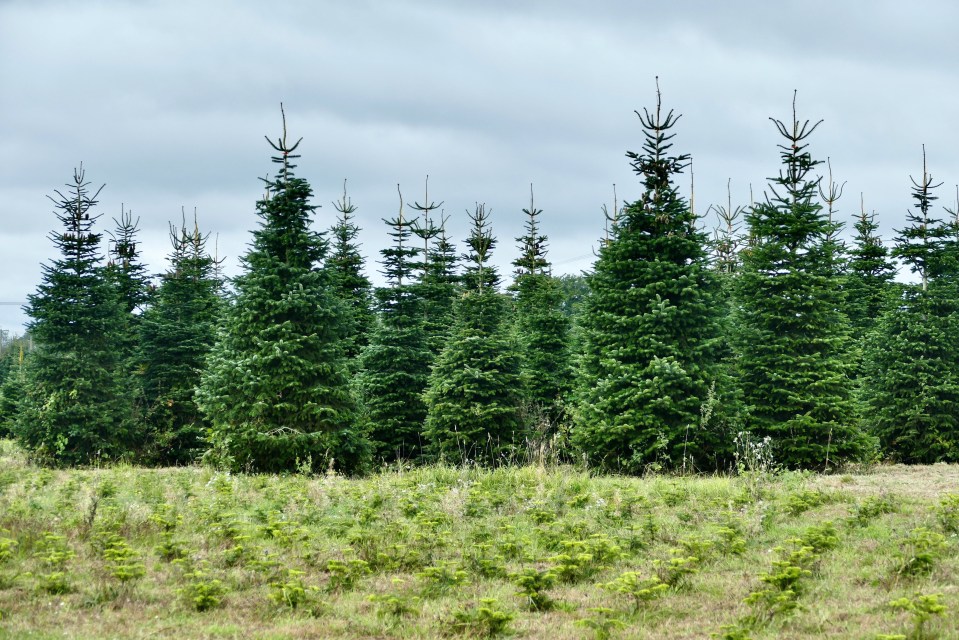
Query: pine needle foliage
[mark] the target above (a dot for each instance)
(869, 277)
(395, 365)
(912, 384)
(473, 397)
(276, 388)
(176, 335)
(793, 336)
(74, 410)
(650, 325)
(346, 265)
(542, 329)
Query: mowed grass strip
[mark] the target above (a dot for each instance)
(531, 552)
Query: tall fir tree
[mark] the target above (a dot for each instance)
(869, 277)
(438, 284)
(176, 334)
(792, 333)
(13, 383)
(912, 359)
(275, 389)
(74, 410)
(346, 265)
(473, 398)
(542, 330)
(395, 365)
(127, 274)
(650, 326)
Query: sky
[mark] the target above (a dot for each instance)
(167, 105)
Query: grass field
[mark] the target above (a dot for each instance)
(531, 552)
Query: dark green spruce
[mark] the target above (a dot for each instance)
(176, 334)
(912, 360)
(650, 327)
(346, 264)
(793, 336)
(276, 388)
(395, 365)
(473, 397)
(542, 331)
(75, 409)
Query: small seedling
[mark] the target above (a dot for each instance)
(484, 620)
(640, 590)
(603, 622)
(202, 591)
(532, 584)
(922, 608)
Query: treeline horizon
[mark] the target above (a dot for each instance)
(772, 338)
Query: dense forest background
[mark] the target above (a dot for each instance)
(775, 334)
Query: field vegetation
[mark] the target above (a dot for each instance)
(533, 551)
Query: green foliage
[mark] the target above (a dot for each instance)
(922, 608)
(176, 334)
(650, 328)
(868, 279)
(603, 622)
(54, 553)
(202, 592)
(442, 578)
(75, 408)
(542, 330)
(344, 575)
(947, 512)
(123, 562)
(919, 552)
(483, 620)
(275, 389)
(532, 584)
(675, 571)
(792, 336)
(290, 591)
(871, 508)
(395, 606)
(472, 397)
(345, 264)
(639, 589)
(395, 366)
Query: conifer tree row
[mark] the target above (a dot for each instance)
(276, 389)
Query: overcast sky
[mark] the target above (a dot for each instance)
(167, 104)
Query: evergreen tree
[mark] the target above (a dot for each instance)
(473, 395)
(650, 326)
(912, 364)
(127, 274)
(74, 410)
(346, 266)
(542, 329)
(125, 270)
(396, 363)
(13, 383)
(438, 282)
(792, 332)
(276, 389)
(868, 286)
(176, 334)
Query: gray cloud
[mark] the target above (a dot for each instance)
(167, 103)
